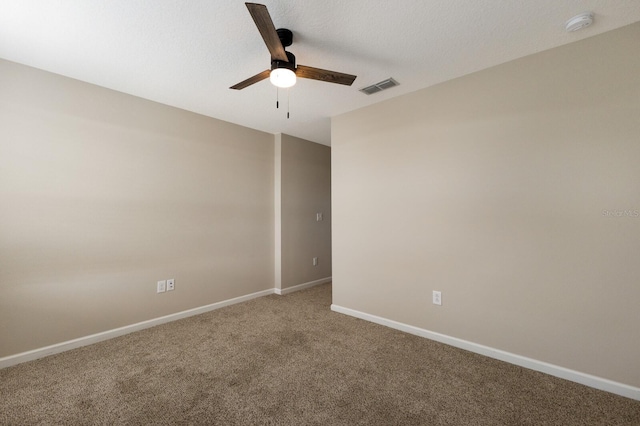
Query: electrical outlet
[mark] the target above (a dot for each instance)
(171, 284)
(315, 261)
(437, 298)
(162, 286)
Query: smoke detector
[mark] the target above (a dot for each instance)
(579, 22)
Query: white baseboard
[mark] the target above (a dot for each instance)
(532, 364)
(302, 286)
(110, 334)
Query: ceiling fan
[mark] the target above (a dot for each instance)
(283, 70)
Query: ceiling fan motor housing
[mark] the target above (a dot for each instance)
(285, 36)
(275, 63)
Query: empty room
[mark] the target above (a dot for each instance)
(303, 212)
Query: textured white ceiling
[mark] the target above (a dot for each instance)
(187, 53)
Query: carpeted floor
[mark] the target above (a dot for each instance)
(289, 360)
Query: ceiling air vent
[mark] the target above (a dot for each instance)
(379, 86)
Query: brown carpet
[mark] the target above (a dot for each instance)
(289, 360)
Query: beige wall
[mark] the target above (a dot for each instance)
(305, 190)
(102, 194)
(491, 188)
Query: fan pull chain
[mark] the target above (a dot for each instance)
(277, 98)
(287, 104)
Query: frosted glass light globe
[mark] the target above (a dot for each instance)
(282, 77)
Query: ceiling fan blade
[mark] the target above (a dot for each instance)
(325, 75)
(252, 80)
(263, 21)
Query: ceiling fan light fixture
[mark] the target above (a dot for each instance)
(284, 72)
(282, 77)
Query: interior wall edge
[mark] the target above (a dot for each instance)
(302, 286)
(277, 209)
(592, 381)
(57, 348)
